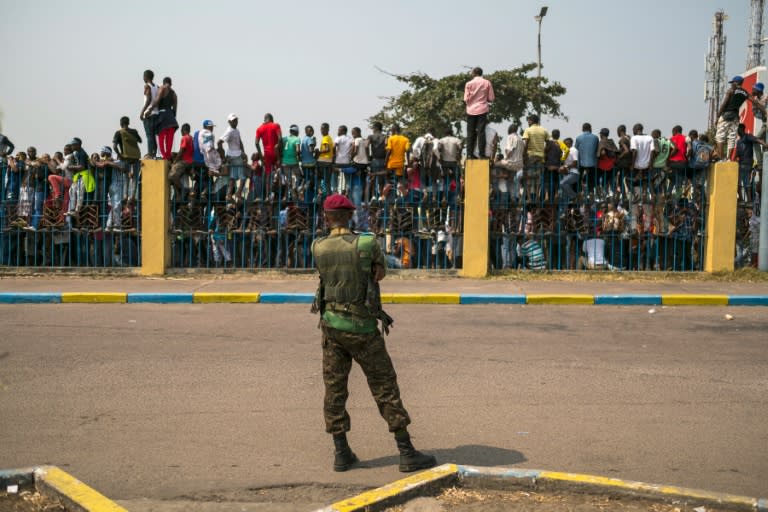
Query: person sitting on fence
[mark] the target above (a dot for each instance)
(183, 163)
(513, 151)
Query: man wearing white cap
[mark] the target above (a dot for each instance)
(235, 158)
(210, 154)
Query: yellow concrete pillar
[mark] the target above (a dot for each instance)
(721, 217)
(476, 203)
(155, 218)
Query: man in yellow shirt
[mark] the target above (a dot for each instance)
(535, 142)
(325, 162)
(397, 148)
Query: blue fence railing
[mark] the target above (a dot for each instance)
(51, 219)
(273, 219)
(614, 220)
(617, 220)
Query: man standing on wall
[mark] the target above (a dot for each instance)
(478, 95)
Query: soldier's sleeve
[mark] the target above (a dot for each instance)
(377, 256)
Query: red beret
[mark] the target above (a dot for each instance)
(338, 202)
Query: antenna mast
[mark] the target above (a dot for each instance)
(715, 62)
(755, 39)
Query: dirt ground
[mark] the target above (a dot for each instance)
(469, 500)
(28, 501)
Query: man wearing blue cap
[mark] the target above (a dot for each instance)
(728, 116)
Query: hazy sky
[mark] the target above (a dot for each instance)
(73, 68)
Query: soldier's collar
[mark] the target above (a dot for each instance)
(340, 231)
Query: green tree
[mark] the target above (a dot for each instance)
(437, 103)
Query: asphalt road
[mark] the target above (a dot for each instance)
(205, 402)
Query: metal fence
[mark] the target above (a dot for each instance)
(48, 219)
(269, 220)
(615, 220)
(618, 220)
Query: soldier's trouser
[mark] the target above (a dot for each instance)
(339, 349)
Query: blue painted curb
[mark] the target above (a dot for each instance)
(628, 300)
(748, 300)
(160, 298)
(30, 298)
(287, 298)
(470, 298)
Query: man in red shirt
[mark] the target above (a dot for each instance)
(270, 134)
(183, 162)
(478, 95)
(678, 162)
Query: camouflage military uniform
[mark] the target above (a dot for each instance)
(350, 332)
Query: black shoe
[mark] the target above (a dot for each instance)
(411, 459)
(343, 458)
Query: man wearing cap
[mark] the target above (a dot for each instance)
(290, 155)
(350, 266)
(117, 186)
(235, 158)
(210, 153)
(758, 99)
(728, 116)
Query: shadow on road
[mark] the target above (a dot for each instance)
(468, 454)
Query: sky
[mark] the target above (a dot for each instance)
(74, 68)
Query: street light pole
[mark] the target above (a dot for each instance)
(539, 18)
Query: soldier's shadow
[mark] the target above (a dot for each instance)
(468, 454)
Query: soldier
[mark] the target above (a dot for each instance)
(348, 300)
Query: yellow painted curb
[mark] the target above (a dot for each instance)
(560, 299)
(421, 298)
(366, 499)
(666, 490)
(694, 300)
(214, 297)
(64, 485)
(94, 297)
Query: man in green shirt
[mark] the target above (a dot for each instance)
(350, 266)
(290, 155)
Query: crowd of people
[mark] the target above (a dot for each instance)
(640, 195)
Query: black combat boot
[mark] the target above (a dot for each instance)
(410, 458)
(344, 458)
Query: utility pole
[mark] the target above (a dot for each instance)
(539, 18)
(755, 38)
(715, 66)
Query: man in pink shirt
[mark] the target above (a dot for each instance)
(478, 94)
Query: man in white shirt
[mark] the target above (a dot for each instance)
(235, 157)
(343, 151)
(570, 172)
(641, 146)
(594, 248)
(491, 143)
(207, 145)
(356, 181)
(449, 152)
